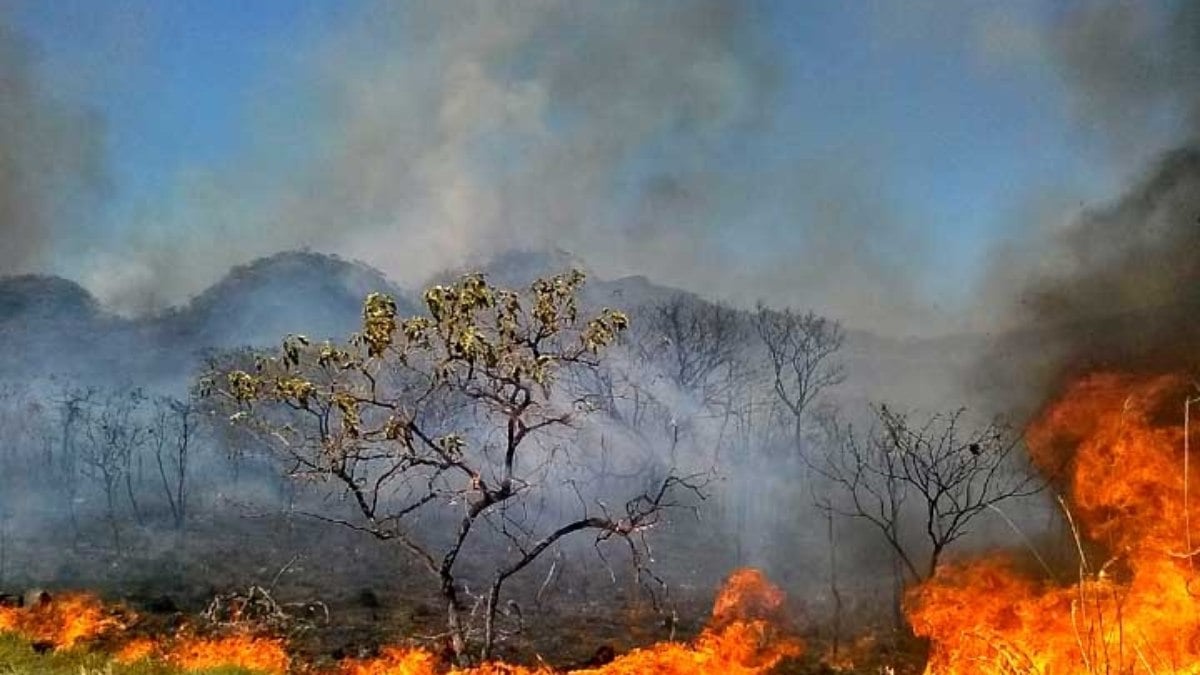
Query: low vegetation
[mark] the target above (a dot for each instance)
(19, 657)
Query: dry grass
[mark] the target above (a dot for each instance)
(17, 657)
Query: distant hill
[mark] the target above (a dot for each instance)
(45, 298)
(518, 268)
(54, 327)
(51, 326)
(294, 292)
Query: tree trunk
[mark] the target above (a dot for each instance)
(3, 548)
(934, 557)
(458, 640)
(110, 491)
(181, 493)
(834, 591)
(137, 512)
(489, 627)
(897, 591)
(162, 473)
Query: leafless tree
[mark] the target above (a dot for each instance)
(801, 353)
(701, 348)
(453, 418)
(113, 435)
(72, 404)
(172, 431)
(11, 426)
(699, 343)
(28, 442)
(942, 472)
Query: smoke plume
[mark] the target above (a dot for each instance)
(438, 132)
(50, 159)
(1133, 71)
(1119, 286)
(638, 136)
(1128, 292)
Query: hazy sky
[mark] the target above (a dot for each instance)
(873, 160)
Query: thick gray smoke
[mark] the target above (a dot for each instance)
(1119, 287)
(1127, 292)
(430, 136)
(443, 131)
(512, 123)
(1133, 71)
(48, 149)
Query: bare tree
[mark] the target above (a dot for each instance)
(801, 351)
(113, 436)
(698, 343)
(173, 427)
(941, 471)
(701, 348)
(452, 417)
(72, 410)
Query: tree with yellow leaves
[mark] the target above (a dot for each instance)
(439, 416)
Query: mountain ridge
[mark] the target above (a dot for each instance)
(55, 327)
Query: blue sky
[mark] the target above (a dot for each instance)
(173, 81)
(948, 119)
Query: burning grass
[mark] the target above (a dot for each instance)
(748, 633)
(49, 634)
(1121, 441)
(19, 657)
(61, 622)
(1115, 444)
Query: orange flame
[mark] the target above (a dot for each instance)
(266, 655)
(193, 653)
(65, 620)
(393, 661)
(1120, 439)
(747, 634)
(744, 637)
(138, 649)
(61, 621)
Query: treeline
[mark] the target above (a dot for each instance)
(736, 411)
(90, 466)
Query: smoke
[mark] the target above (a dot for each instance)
(1125, 292)
(51, 159)
(638, 136)
(437, 132)
(1133, 72)
(516, 123)
(646, 138)
(1118, 285)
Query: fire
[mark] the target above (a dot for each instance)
(259, 654)
(393, 661)
(745, 636)
(191, 653)
(66, 620)
(747, 595)
(61, 621)
(741, 648)
(138, 649)
(1120, 440)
